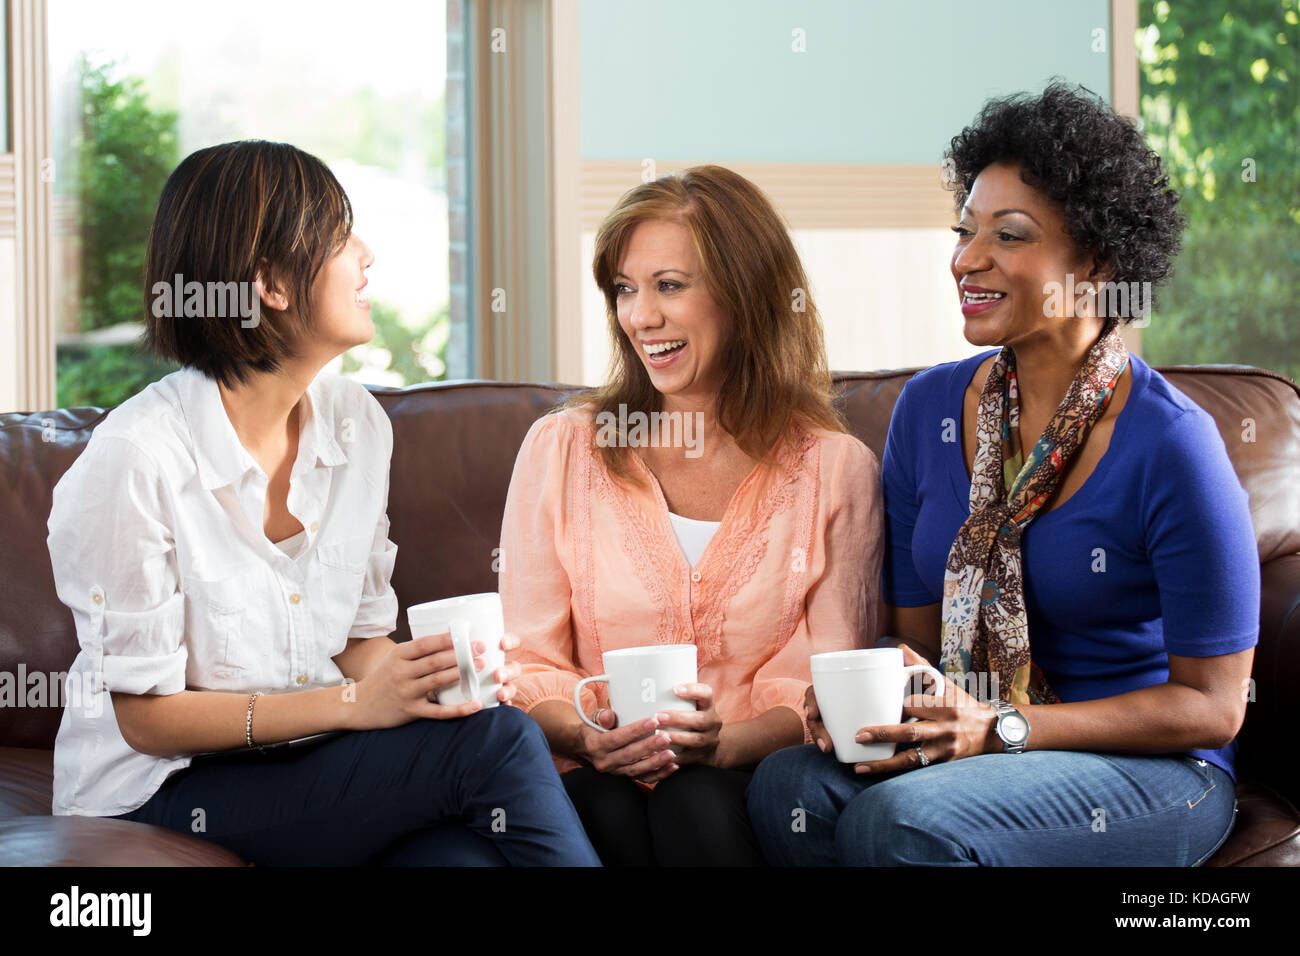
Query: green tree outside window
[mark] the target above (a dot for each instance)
(1221, 105)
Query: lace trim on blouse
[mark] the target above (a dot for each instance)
(734, 554)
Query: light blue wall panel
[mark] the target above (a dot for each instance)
(879, 82)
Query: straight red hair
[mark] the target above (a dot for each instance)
(775, 374)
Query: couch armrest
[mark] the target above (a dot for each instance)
(1266, 831)
(100, 841)
(29, 836)
(1267, 740)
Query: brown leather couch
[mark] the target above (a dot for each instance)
(454, 449)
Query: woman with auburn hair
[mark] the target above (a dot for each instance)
(222, 543)
(754, 532)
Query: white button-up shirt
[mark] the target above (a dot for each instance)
(157, 543)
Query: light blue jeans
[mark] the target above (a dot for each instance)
(1040, 808)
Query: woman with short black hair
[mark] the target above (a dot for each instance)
(223, 545)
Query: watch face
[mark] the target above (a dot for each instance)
(1013, 728)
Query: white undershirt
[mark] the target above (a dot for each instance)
(692, 536)
(291, 545)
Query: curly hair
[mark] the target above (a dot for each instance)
(1092, 162)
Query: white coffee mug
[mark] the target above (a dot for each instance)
(641, 681)
(470, 617)
(863, 688)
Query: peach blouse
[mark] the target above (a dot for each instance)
(590, 564)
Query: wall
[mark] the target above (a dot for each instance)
(878, 83)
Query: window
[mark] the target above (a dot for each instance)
(1219, 103)
(362, 90)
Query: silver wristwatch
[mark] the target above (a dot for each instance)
(1012, 727)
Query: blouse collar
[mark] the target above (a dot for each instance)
(220, 457)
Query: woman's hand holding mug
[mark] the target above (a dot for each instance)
(399, 689)
(404, 686)
(694, 733)
(642, 686)
(639, 750)
(946, 727)
(820, 735)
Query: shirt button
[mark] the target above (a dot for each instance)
(295, 597)
(97, 598)
(314, 526)
(301, 678)
(695, 576)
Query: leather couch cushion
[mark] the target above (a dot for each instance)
(453, 455)
(1258, 414)
(1266, 832)
(454, 449)
(29, 836)
(26, 782)
(93, 841)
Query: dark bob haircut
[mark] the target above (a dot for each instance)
(227, 214)
(1114, 192)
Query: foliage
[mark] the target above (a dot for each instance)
(106, 375)
(416, 354)
(125, 150)
(403, 133)
(1221, 105)
(374, 130)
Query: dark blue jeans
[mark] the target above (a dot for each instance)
(1040, 808)
(481, 790)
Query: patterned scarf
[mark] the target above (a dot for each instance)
(984, 627)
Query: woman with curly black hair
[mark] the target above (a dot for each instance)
(1081, 565)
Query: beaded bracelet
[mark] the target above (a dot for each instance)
(248, 719)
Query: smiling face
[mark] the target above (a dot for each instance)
(667, 312)
(1011, 243)
(339, 308)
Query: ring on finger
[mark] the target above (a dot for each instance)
(925, 761)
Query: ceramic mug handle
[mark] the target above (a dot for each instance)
(577, 702)
(933, 674)
(464, 648)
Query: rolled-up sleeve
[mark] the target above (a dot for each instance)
(113, 555)
(536, 590)
(842, 607)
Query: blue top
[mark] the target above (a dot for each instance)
(1154, 555)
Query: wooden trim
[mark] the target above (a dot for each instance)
(512, 171)
(482, 135)
(477, 171)
(509, 205)
(1124, 88)
(1125, 98)
(8, 201)
(32, 360)
(562, 52)
(809, 195)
